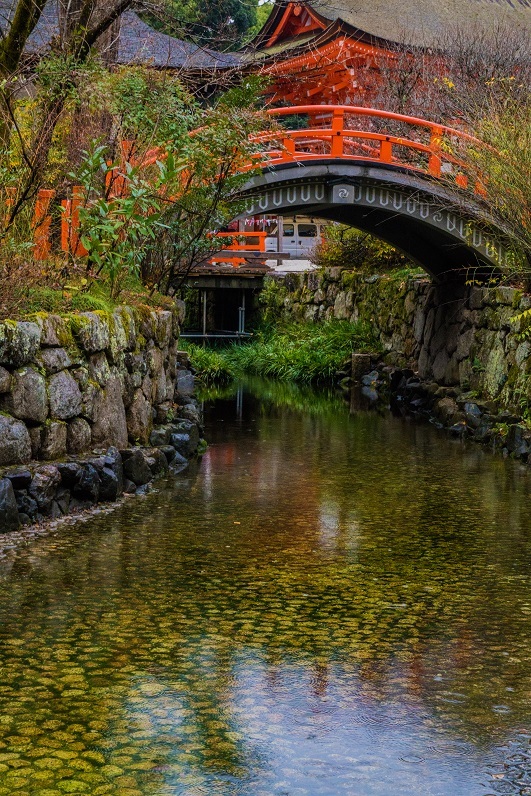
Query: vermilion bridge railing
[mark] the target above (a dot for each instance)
(348, 132)
(320, 132)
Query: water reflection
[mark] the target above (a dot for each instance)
(330, 604)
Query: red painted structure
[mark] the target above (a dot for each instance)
(332, 132)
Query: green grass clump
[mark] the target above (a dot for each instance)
(212, 365)
(300, 352)
(305, 352)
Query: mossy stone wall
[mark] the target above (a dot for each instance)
(463, 336)
(95, 379)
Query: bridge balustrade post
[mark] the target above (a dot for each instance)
(288, 145)
(338, 127)
(386, 151)
(435, 160)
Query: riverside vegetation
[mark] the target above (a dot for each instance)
(457, 354)
(304, 352)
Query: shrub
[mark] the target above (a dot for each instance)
(349, 248)
(303, 352)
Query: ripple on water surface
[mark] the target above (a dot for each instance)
(329, 605)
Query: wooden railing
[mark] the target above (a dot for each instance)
(328, 132)
(348, 132)
(239, 243)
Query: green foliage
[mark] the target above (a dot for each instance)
(222, 24)
(272, 299)
(262, 15)
(306, 352)
(211, 365)
(346, 247)
(150, 107)
(115, 228)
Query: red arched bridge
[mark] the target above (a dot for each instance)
(398, 177)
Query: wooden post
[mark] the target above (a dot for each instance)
(77, 200)
(338, 120)
(70, 226)
(42, 223)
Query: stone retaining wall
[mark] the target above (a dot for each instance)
(458, 336)
(105, 398)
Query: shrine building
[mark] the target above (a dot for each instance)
(332, 51)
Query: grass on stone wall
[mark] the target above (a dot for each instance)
(300, 352)
(76, 296)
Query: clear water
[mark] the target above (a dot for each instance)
(331, 604)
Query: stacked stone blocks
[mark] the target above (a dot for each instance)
(105, 398)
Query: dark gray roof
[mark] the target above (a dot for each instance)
(46, 28)
(135, 42)
(139, 43)
(423, 22)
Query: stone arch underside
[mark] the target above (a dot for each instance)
(417, 215)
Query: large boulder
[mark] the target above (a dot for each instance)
(181, 443)
(164, 328)
(136, 469)
(99, 370)
(87, 485)
(53, 440)
(19, 342)
(185, 384)
(27, 507)
(20, 478)
(191, 412)
(5, 380)
(92, 331)
(55, 330)
(119, 339)
(111, 476)
(78, 436)
(188, 428)
(140, 419)
(9, 516)
(55, 359)
(108, 413)
(160, 436)
(44, 487)
(65, 396)
(127, 321)
(15, 442)
(28, 399)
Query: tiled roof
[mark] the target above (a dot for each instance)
(420, 23)
(140, 44)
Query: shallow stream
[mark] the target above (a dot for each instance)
(332, 603)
